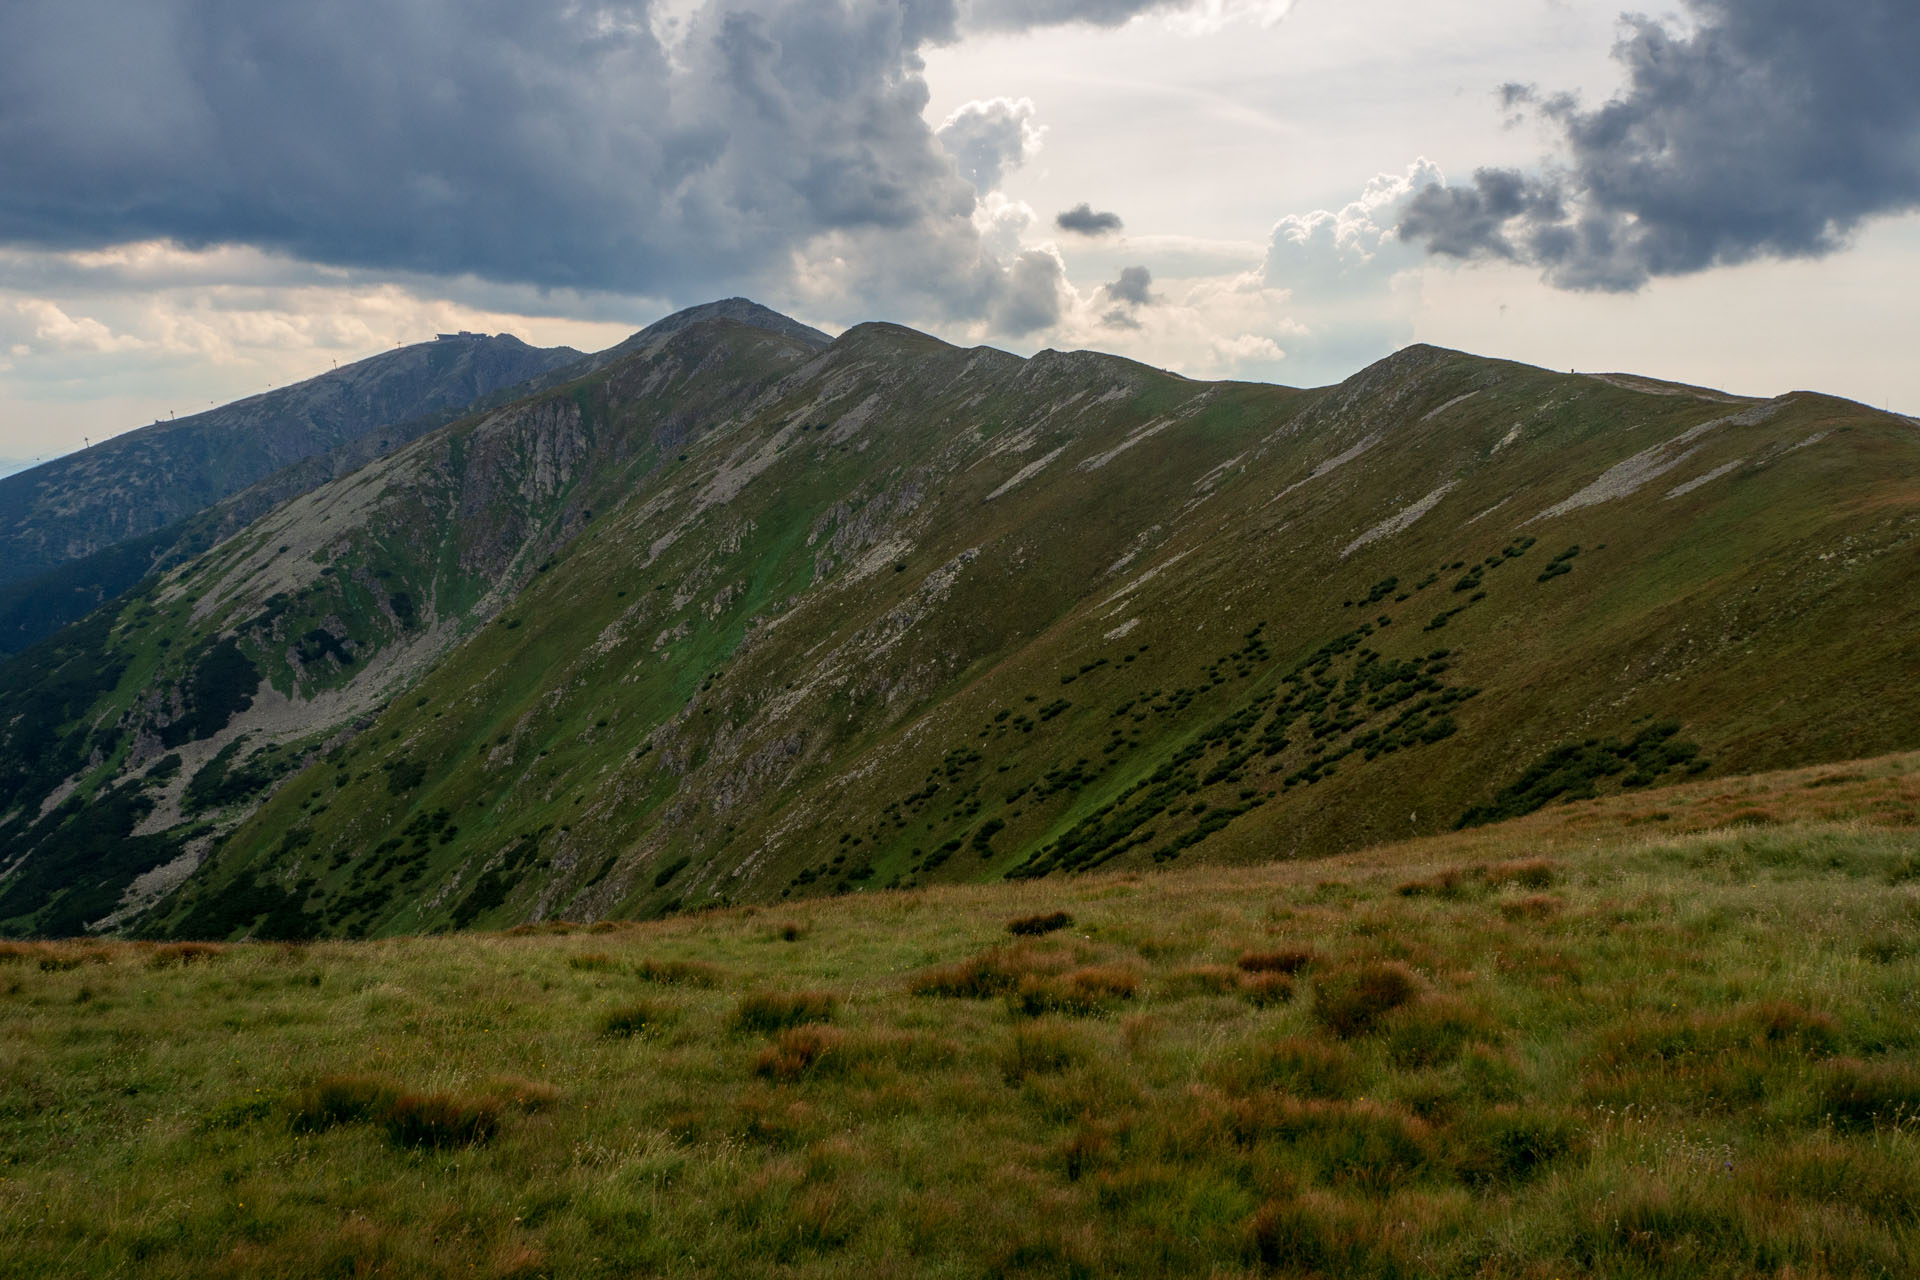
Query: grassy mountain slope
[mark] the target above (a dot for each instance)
(138, 483)
(1649, 1054)
(737, 617)
(466, 376)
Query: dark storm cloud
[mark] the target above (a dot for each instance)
(1774, 128)
(1134, 287)
(1083, 220)
(555, 146)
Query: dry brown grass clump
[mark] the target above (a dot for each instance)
(769, 1011)
(1264, 989)
(1524, 873)
(800, 1051)
(543, 928)
(1778, 1023)
(1535, 906)
(677, 973)
(1454, 882)
(1284, 960)
(1447, 883)
(1315, 1233)
(521, 1093)
(184, 953)
(412, 1119)
(1035, 925)
(56, 957)
(1349, 1002)
(338, 1100)
(1259, 987)
(441, 1120)
(591, 961)
(1673, 1037)
(991, 973)
(1081, 991)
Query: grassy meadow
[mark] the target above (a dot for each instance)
(1598, 1041)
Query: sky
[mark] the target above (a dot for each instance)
(202, 199)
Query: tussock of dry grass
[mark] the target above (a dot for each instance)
(1035, 925)
(770, 1011)
(677, 973)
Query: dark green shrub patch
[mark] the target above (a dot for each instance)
(1575, 771)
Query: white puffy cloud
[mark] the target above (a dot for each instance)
(45, 327)
(1327, 252)
(987, 138)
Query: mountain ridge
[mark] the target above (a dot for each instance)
(739, 616)
(136, 485)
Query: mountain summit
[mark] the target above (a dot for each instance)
(745, 614)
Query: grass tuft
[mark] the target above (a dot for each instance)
(441, 1120)
(1262, 990)
(981, 977)
(1081, 992)
(184, 953)
(1856, 1095)
(522, 1094)
(1034, 926)
(1285, 960)
(800, 1051)
(770, 1011)
(636, 1019)
(677, 973)
(1350, 1002)
(339, 1100)
(1045, 1046)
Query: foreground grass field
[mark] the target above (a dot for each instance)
(1588, 1043)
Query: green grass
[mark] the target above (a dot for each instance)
(1637, 1053)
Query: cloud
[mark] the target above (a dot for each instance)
(1022, 15)
(1326, 253)
(593, 147)
(987, 138)
(1770, 129)
(1133, 287)
(627, 148)
(1188, 16)
(44, 326)
(1084, 221)
(1248, 348)
(1035, 293)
